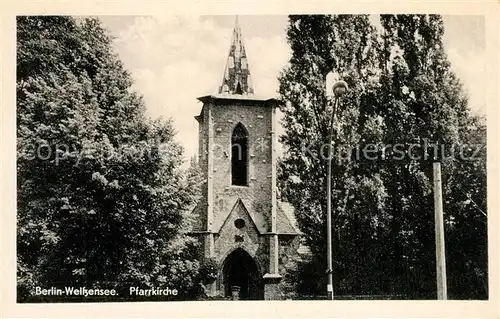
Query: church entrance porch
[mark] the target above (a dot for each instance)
(242, 277)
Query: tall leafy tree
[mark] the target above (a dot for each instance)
(101, 197)
(348, 46)
(403, 96)
(431, 108)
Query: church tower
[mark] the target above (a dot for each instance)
(240, 222)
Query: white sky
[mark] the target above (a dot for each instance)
(175, 59)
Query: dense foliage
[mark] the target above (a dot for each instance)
(402, 93)
(101, 197)
(208, 270)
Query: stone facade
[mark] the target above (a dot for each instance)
(241, 226)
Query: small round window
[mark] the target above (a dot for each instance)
(239, 223)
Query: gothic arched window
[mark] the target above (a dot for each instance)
(239, 90)
(239, 156)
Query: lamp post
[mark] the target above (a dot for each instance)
(339, 88)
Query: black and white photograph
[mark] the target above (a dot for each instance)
(238, 157)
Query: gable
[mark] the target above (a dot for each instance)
(239, 210)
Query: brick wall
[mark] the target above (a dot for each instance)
(252, 203)
(257, 121)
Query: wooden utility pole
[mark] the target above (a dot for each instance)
(439, 224)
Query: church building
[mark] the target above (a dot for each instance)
(250, 235)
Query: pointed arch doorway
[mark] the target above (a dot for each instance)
(241, 270)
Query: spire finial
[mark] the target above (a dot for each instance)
(236, 78)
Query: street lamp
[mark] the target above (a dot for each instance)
(339, 88)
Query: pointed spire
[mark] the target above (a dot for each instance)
(236, 78)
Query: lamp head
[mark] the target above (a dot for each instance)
(339, 88)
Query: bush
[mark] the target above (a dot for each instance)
(208, 270)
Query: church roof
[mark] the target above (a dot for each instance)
(286, 223)
(236, 78)
(236, 82)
